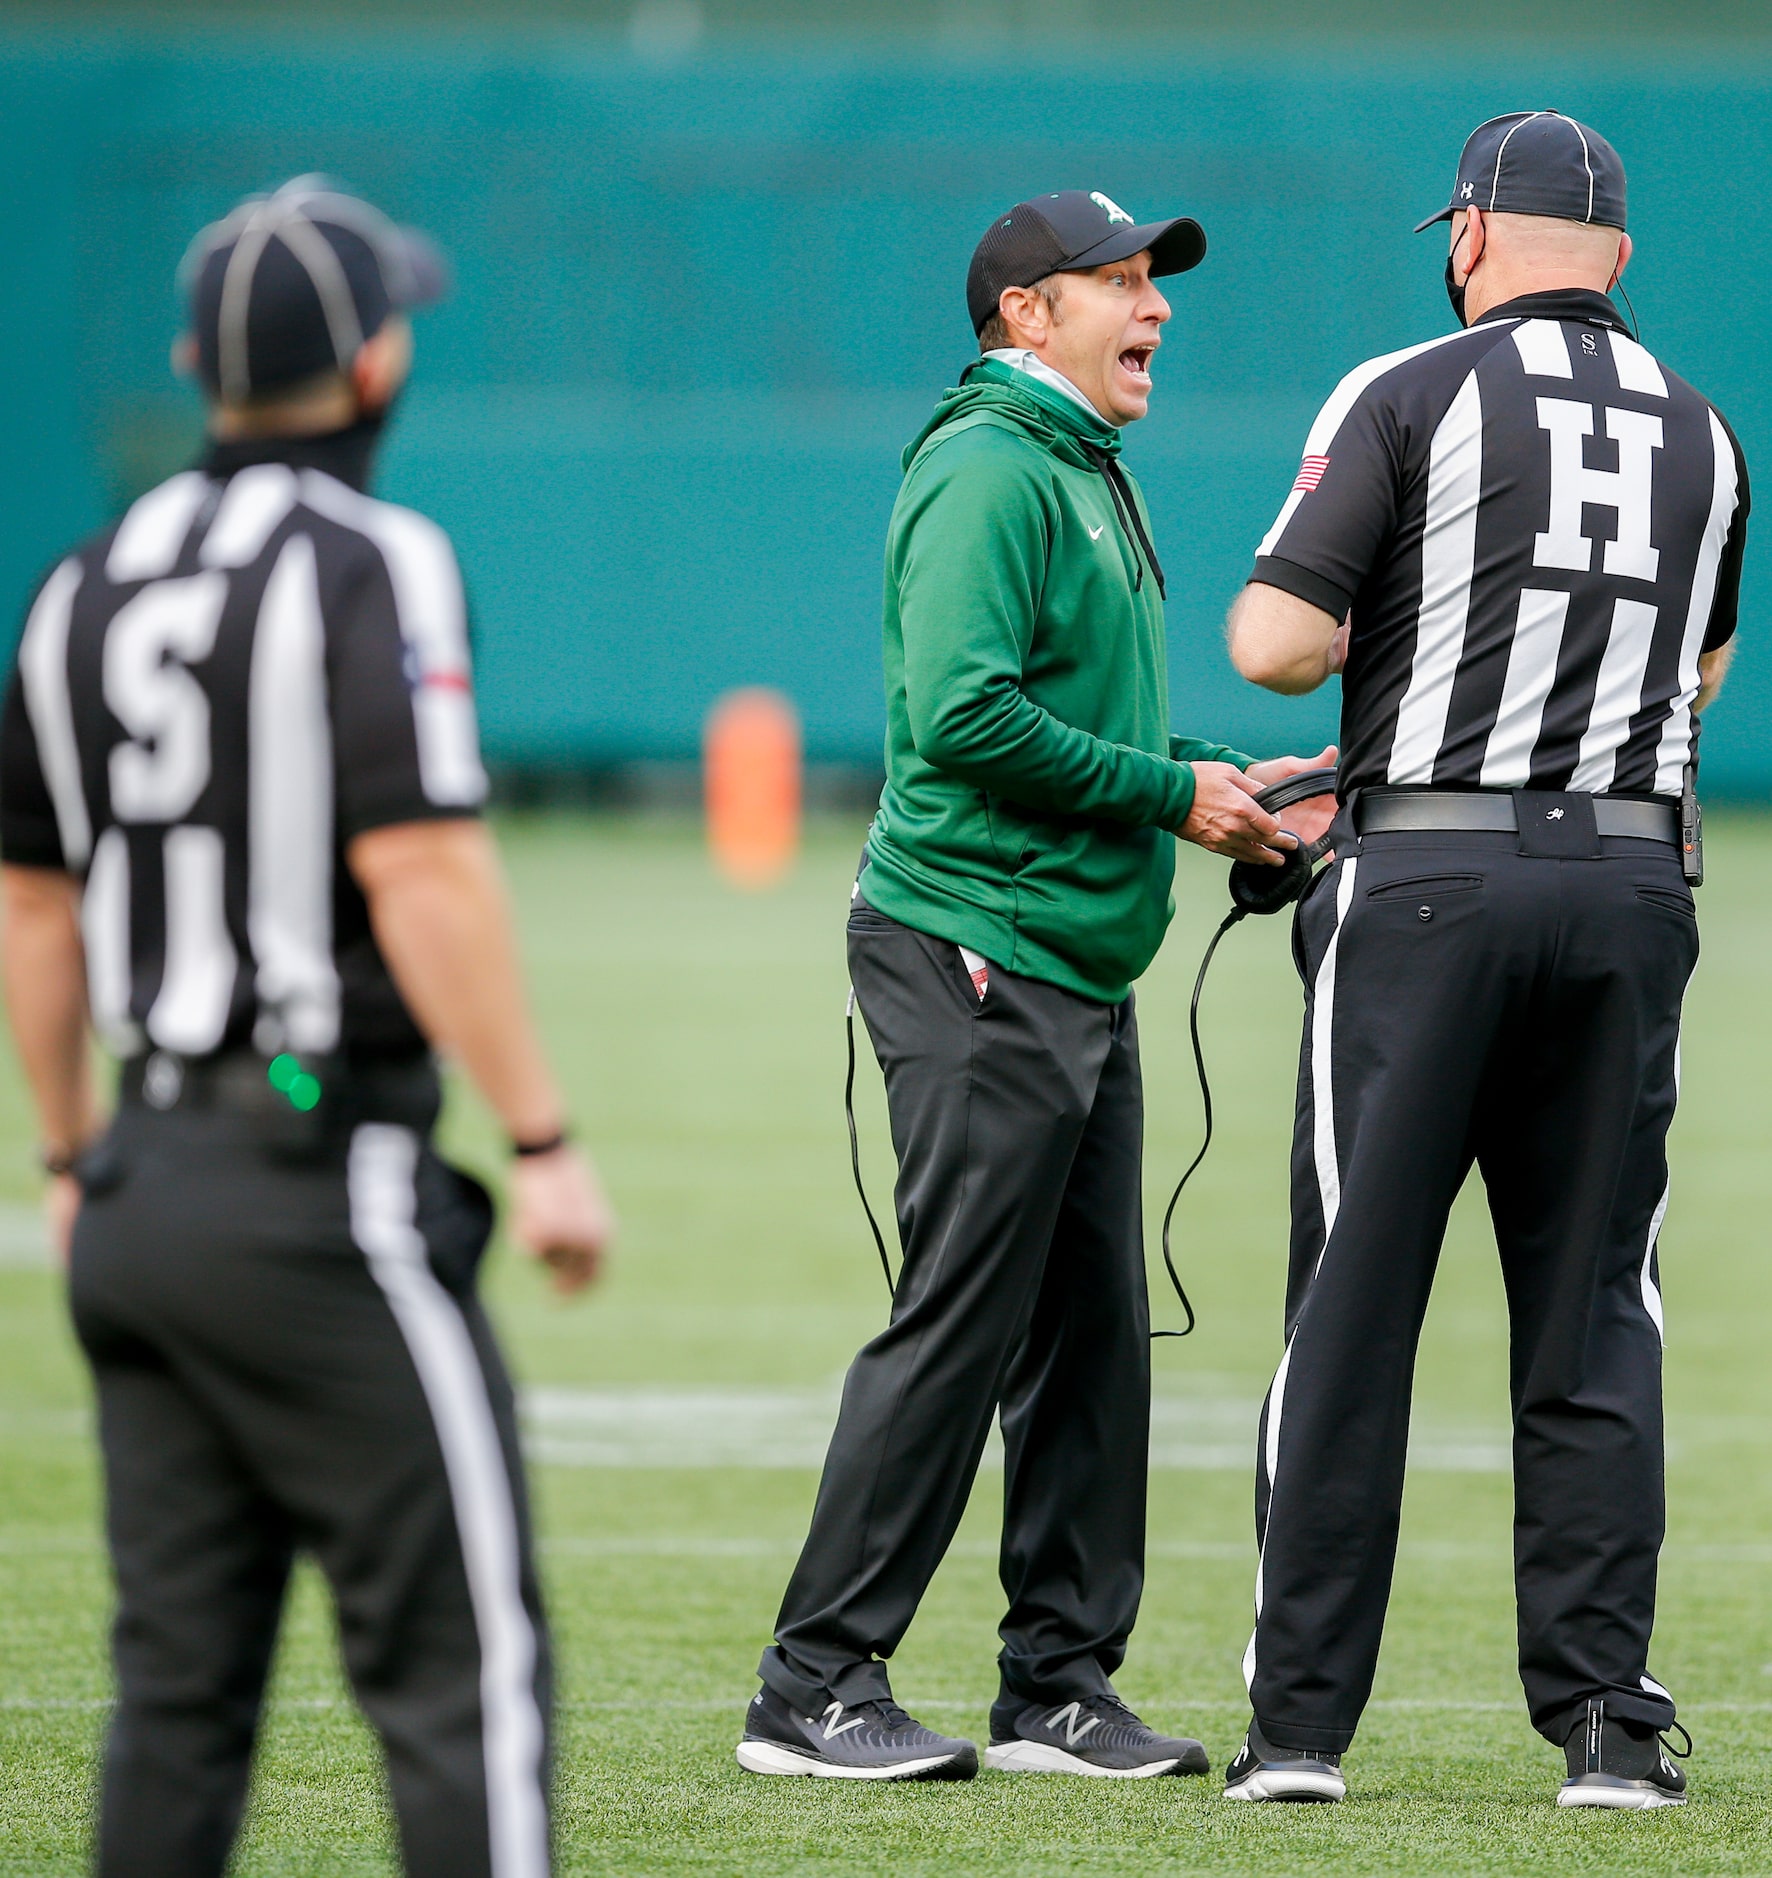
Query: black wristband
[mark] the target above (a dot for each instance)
(527, 1150)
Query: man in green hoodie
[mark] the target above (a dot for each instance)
(1016, 881)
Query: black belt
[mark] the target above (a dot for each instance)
(241, 1082)
(1443, 811)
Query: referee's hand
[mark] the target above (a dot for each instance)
(61, 1206)
(1226, 819)
(1308, 820)
(561, 1216)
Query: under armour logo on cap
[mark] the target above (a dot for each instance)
(1538, 163)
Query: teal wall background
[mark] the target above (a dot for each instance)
(703, 300)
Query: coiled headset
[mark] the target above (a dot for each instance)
(1260, 888)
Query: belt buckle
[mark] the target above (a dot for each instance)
(163, 1080)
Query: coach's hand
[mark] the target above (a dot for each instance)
(561, 1215)
(61, 1205)
(1226, 819)
(1307, 820)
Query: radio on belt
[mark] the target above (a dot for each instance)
(1691, 828)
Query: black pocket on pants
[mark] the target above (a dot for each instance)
(100, 1168)
(1424, 883)
(863, 918)
(1675, 899)
(455, 1215)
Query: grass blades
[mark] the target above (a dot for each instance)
(700, 1031)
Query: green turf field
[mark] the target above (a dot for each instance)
(677, 1419)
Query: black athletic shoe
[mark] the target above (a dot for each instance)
(1620, 1764)
(1262, 1771)
(1098, 1735)
(869, 1741)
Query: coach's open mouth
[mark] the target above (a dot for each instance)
(1135, 362)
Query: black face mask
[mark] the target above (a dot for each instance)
(1454, 292)
(356, 445)
(348, 454)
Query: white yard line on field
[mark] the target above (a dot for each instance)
(22, 1542)
(24, 1245)
(664, 1427)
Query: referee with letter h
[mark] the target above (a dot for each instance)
(240, 777)
(1016, 881)
(1520, 545)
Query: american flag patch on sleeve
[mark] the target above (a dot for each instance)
(1310, 472)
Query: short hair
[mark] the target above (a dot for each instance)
(994, 334)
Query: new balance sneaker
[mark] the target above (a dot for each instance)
(1262, 1771)
(865, 1741)
(1623, 1765)
(1098, 1735)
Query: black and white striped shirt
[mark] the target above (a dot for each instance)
(1537, 528)
(210, 700)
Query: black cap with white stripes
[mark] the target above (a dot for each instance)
(1538, 163)
(291, 284)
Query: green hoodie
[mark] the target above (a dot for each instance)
(1032, 786)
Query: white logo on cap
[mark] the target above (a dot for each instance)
(1114, 212)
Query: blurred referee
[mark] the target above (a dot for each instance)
(1533, 531)
(239, 775)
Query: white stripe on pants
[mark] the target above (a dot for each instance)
(1328, 1187)
(384, 1205)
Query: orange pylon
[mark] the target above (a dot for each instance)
(751, 781)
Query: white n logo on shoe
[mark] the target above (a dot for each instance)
(833, 1727)
(1070, 1717)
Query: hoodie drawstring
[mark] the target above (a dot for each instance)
(1126, 509)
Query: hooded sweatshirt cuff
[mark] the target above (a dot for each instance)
(1197, 750)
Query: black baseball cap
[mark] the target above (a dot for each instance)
(1077, 228)
(1538, 163)
(291, 284)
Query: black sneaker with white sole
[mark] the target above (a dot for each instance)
(861, 1741)
(1097, 1735)
(1619, 1764)
(1262, 1771)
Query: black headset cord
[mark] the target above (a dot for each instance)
(855, 1145)
(1193, 1026)
(1193, 1029)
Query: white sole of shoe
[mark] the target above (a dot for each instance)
(1035, 1757)
(764, 1757)
(1276, 1784)
(1620, 1799)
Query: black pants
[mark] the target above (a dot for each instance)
(289, 1355)
(1018, 1123)
(1467, 1002)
